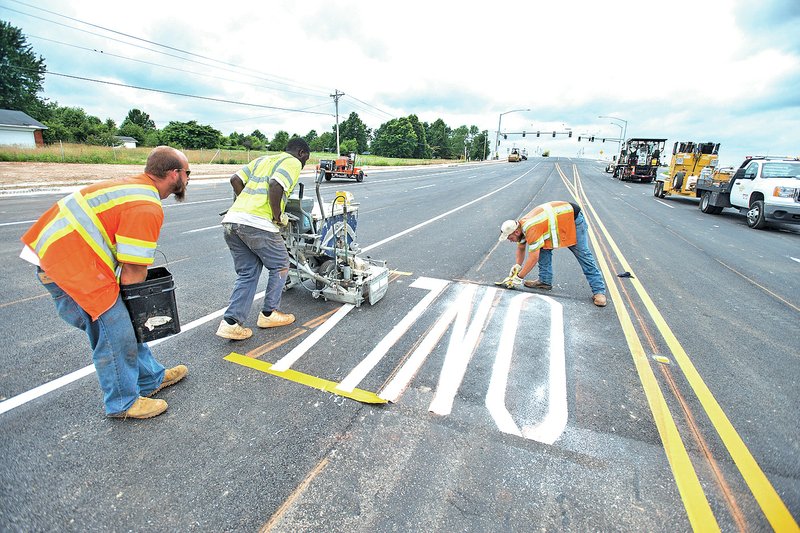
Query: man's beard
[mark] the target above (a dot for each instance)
(179, 191)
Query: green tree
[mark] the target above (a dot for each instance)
(140, 118)
(422, 150)
(324, 143)
(310, 137)
(350, 145)
(439, 140)
(129, 129)
(23, 73)
(354, 128)
(459, 141)
(479, 147)
(395, 138)
(72, 124)
(278, 143)
(190, 135)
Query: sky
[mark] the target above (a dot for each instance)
(723, 71)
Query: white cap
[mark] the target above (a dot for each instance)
(507, 228)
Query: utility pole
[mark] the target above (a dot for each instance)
(336, 97)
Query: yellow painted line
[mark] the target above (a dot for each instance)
(698, 510)
(308, 380)
(765, 494)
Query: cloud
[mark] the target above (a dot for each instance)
(723, 71)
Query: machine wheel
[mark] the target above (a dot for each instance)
(755, 217)
(328, 176)
(706, 207)
(325, 270)
(360, 176)
(658, 189)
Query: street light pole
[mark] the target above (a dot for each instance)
(497, 136)
(624, 130)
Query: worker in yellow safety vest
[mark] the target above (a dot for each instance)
(547, 227)
(252, 232)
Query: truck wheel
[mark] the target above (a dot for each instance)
(360, 176)
(328, 176)
(658, 189)
(755, 217)
(705, 205)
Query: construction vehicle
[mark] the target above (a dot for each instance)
(639, 160)
(689, 159)
(514, 156)
(764, 189)
(323, 254)
(341, 167)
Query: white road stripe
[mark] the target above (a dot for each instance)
(462, 346)
(285, 362)
(666, 204)
(496, 396)
(555, 421)
(435, 286)
(215, 226)
(794, 259)
(50, 386)
(423, 187)
(16, 223)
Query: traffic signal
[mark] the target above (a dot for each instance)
(591, 139)
(505, 136)
(579, 138)
(537, 133)
(570, 135)
(554, 134)
(523, 134)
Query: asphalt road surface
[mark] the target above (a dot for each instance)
(675, 407)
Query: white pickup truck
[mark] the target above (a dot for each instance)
(764, 189)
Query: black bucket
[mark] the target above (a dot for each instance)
(152, 306)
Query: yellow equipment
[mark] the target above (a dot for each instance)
(514, 156)
(688, 161)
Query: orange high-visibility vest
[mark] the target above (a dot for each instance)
(549, 226)
(83, 238)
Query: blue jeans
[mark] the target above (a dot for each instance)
(582, 253)
(253, 249)
(126, 369)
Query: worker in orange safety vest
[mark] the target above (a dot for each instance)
(80, 246)
(546, 227)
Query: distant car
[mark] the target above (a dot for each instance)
(611, 164)
(523, 156)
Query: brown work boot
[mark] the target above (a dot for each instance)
(233, 332)
(536, 284)
(275, 319)
(599, 299)
(143, 408)
(171, 377)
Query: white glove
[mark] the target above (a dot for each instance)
(283, 221)
(513, 282)
(514, 271)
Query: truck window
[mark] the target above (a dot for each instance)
(751, 171)
(781, 170)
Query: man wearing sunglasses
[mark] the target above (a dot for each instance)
(85, 247)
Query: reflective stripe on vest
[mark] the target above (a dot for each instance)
(550, 214)
(254, 198)
(79, 213)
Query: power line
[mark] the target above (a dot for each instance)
(104, 53)
(209, 98)
(249, 72)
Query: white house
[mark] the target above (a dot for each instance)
(127, 142)
(18, 129)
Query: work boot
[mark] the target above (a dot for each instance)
(536, 284)
(234, 332)
(599, 299)
(171, 377)
(275, 319)
(143, 408)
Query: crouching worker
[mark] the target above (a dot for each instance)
(547, 227)
(78, 246)
(252, 231)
